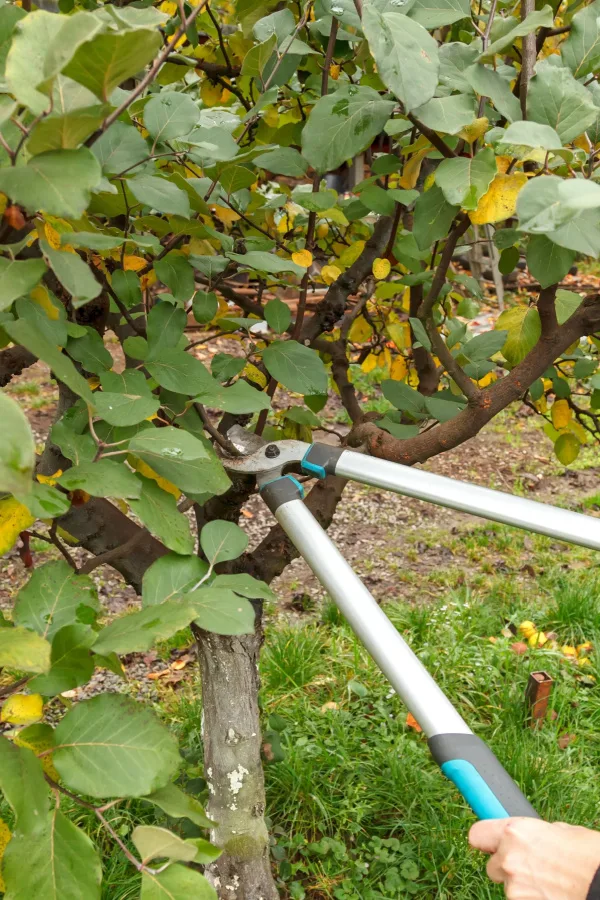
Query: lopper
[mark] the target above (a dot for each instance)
(462, 756)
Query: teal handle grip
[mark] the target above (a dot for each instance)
(479, 776)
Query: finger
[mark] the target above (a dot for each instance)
(487, 834)
(495, 869)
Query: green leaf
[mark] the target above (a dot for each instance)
(176, 883)
(531, 134)
(419, 332)
(296, 367)
(546, 261)
(125, 409)
(178, 805)
(60, 864)
(236, 178)
(548, 202)
(567, 448)
(221, 541)
(403, 397)
(204, 306)
(165, 326)
(74, 274)
(435, 13)
(281, 24)
(66, 130)
(103, 478)
(442, 410)
(17, 448)
(581, 234)
(103, 63)
(566, 303)
(487, 82)
(22, 783)
(9, 16)
(342, 125)
(159, 194)
(283, 161)
(447, 114)
(245, 585)
(26, 58)
(238, 399)
(158, 511)
(140, 630)
(556, 99)
(54, 597)
(482, 346)
(90, 351)
(59, 182)
(542, 18)
(120, 148)
(110, 746)
(222, 611)
(76, 447)
(18, 277)
(170, 576)
(278, 315)
(23, 333)
(178, 456)
(524, 330)
(169, 115)
(179, 372)
(159, 843)
(433, 217)
(508, 260)
(175, 271)
(266, 262)
(314, 201)
(72, 663)
(465, 180)
(45, 502)
(24, 651)
(406, 55)
(581, 50)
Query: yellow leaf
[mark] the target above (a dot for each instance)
(410, 172)
(370, 363)
(567, 448)
(169, 7)
(5, 836)
(148, 280)
(400, 334)
(22, 709)
(39, 738)
(66, 536)
(334, 72)
(527, 629)
(49, 479)
(14, 518)
(475, 130)
(486, 380)
(210, 93)
(381, 268)
(360, 330)
(302, 258)
(329, 274)
(561, 414)
(52, 236)
(398, 369)
(225, 215)
(3, 203)
(133, 263)
(255, 375)
(144, 469)
(350, 254)
(41, 296)
(583, 143)
(502, 163)
(500, 200)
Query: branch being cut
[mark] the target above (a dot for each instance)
(12, 362)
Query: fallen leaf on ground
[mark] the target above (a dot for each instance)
(519, 648)
(566, 739)
(412, 723)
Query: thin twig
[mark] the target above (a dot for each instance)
(11, 688)
(116, 553)
(215, 434)
(219, 36)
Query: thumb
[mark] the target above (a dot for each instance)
(487, 834)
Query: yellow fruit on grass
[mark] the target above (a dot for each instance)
(527, 629)
(585, 647)
(537, 639)
(567, 650)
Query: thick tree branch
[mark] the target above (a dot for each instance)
(528, 57)
(469, 389)
(547, 309)
(429, 376)
(12, 362)
(339, 371)
(491, 400)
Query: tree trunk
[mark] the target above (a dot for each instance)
(233, 767)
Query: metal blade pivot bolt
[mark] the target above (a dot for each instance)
(272, 451)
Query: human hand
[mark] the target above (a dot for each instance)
(537, 860)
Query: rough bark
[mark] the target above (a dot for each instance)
(429, 376)
(232, 765)
(12, 362)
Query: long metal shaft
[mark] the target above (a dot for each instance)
(470, 498)
(407, 675)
